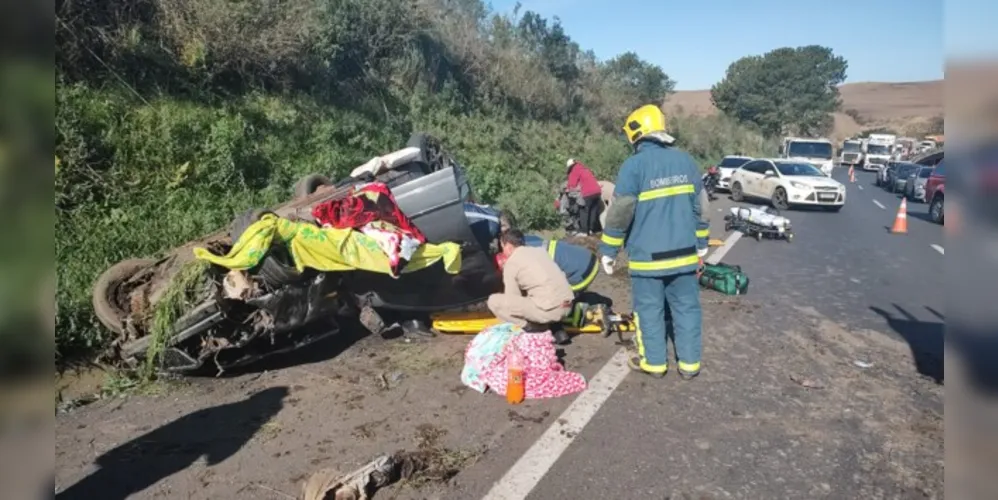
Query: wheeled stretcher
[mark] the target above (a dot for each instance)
(759, 223)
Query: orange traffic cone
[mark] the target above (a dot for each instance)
(852, 174)
(901, 219)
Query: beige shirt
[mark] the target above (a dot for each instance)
(532, 271)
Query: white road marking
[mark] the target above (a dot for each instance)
(860, 187)
(877, 203)
(938, 249)
(718, 254)
(521, 479)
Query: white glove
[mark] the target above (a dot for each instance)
(702, 252)
(607, 264)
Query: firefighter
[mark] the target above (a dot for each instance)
(659, 215)
(578, 263)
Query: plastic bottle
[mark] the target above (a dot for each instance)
(514, 380)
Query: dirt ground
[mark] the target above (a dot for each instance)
(878, 104)
(261, 433)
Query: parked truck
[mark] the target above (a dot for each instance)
(815, 151)
(852, 153)
(879, 148)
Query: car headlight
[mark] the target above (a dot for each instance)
(799, 185)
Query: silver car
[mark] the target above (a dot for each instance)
(914, 188)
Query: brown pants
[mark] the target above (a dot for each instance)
(520, 310)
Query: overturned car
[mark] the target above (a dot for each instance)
(187, 313)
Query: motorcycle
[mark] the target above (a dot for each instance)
(710, 180)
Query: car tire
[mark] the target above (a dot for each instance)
(310, 184)
(277, 268)
(106, 308)
(430, 151)
(780, 199)
(936, 209)
(736, 192)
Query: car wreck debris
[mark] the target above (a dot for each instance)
(281, 279)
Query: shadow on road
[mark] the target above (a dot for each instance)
(924, 338)
(924, 216)
(215, 433)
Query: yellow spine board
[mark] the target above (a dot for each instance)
(474, 322)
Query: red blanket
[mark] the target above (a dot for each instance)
(372, 203)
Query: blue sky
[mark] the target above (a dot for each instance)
(695, 41)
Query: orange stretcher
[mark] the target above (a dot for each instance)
(596, 320)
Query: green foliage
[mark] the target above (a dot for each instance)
(710, 138)
(185, 289)
(788, 91)
(641, 80)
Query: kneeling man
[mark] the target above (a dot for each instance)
(536, 293)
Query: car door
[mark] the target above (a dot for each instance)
(751, 174)
(768, 181)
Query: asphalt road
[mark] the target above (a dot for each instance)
(850, 268)
(837, 295)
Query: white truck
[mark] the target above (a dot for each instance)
(815, 151)
(879, 149)
(852, 153)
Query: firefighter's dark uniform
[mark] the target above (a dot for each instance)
(658, 217)
(578, 263)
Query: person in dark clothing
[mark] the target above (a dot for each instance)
(486, 223)
(582, 179)
(578, 263)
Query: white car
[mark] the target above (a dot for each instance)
(728, 165)
(786, 183)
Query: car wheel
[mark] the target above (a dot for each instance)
(277, 268)
(430, 151)
(936, 210)
(780, 200)
(104, 293)
(310, 184)
(736, 192)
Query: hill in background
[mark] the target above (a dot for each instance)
(901, 106)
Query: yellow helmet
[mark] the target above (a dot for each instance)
(643, 121)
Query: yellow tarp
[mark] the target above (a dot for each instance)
(325, 249)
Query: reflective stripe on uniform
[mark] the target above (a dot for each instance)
(689, 367)
(666, 191)
(582, 285)
(610, 240)
(658, 265)
(637, 336)
(643, 363)
(703, 233)
(551, 247)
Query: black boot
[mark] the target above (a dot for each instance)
(560, 335)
